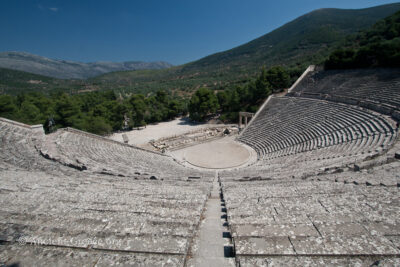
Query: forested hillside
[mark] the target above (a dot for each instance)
(306, 40)
(68, 102)
(95, 112)
(15, 82)
(378, 46)
(375, 47)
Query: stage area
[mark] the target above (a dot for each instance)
(223, 153)
(159, 130)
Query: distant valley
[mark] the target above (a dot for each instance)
(70, 69)
(308, 39)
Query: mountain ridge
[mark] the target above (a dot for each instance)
(275, 36)
(306, 40)
(65, 69)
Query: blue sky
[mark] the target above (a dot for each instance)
(177, 31)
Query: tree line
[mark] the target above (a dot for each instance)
(376, 47)
(96, 112)
(102, 112)
(205, 103)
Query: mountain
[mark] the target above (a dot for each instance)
(379, 46)
(305, 40)
(298, 39)
(14, 82)
(70, 69)
(309, 39)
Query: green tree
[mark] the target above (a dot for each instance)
(341, 58)
(223, 100)
(162, 97)
(7, 106)
(203, 103)
(378, 46)
(117, 115)
(97, 125)
(278, 78)
(234, 101)
(175, 108)
(29, 113)
(67, 112)
(262, 86)
(138, 109)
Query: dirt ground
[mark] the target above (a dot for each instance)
(218, 154)
(156, 131)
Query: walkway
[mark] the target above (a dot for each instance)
(213, 246)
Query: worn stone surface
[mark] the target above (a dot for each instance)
(53, 213)
(313, 216)
(324, 191)
(31, 255)
(263, 245)
(271, 230)
(210, 243)
(317, 261)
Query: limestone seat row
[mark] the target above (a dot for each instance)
(319, 219)
(95, 154)
(291, 125)
(376, 89)
(52, 213)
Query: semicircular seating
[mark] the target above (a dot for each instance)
(325, 190)
(292, 125)
(102, 155)
(52, 214)
(376, 89)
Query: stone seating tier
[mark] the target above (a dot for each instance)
(291, 125)
(53, 214)
(110, 157)
(349, 217)
(376, 89)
